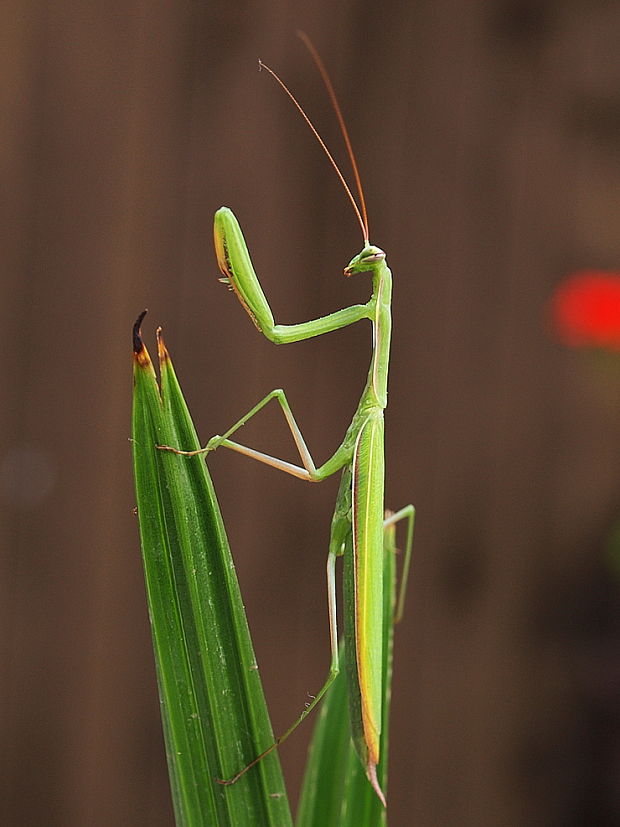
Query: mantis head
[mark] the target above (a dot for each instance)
(365, 261)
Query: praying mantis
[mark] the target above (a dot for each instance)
(359, 519)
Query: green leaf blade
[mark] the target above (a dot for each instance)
(213, 709)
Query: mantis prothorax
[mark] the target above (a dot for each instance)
(359, 521)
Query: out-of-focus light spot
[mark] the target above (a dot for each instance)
(585, 310)
(27, 475)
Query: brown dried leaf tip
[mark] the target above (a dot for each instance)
(162, 350)
(140, 352)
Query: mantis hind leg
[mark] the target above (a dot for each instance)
(406, 513)
(334, 669)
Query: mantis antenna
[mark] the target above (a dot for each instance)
(341, 122)
(362, 217)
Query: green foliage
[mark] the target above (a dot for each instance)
(213, 710)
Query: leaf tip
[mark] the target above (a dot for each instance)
(162, 350)
(140, 352)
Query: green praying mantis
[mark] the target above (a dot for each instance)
(359, 518)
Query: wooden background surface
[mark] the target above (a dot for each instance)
(487, 134)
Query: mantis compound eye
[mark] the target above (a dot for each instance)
(373, 258)
(364, 261)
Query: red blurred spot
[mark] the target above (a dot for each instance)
(585, 310)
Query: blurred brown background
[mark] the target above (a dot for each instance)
(487, 134)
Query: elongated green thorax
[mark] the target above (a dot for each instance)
(382, 332)
(373, 259)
